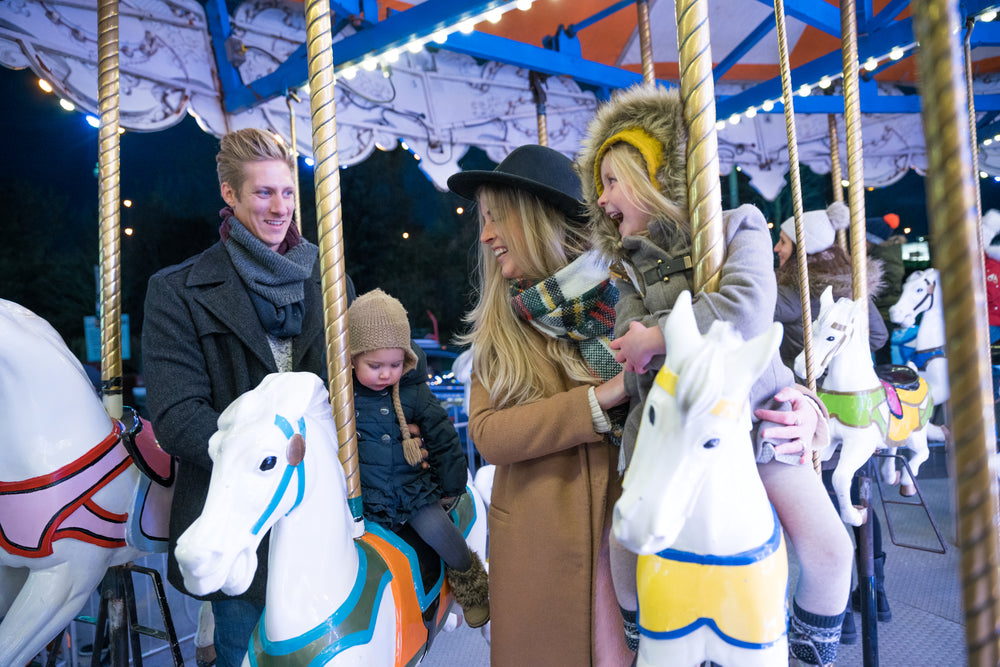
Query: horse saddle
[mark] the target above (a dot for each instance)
(141, 444)
(895, 378)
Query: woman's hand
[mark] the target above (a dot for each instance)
(637, 347)
(799, 423)
(612, 392)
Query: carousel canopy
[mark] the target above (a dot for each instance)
(443, 75)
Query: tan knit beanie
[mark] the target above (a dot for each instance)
(376, 321)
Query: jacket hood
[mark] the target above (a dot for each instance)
(820, 277)
(660, 114)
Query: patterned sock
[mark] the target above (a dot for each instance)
(631, 628)
(812, 637)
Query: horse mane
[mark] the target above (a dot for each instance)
(700, 377)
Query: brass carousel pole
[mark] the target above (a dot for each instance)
(973, 139)
(331, 241)
(290, 97)
(795, 179)
(704, 186)
(109, 167)
(535, 80)
(646, 41)
(951, 206)
(836, 176)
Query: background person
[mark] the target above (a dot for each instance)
(219, 322)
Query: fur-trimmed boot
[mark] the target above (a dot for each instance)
(472, 592)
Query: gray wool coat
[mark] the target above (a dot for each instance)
(745, 298)
(202, 347)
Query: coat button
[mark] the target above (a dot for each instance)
(384, 411)
(386, 438)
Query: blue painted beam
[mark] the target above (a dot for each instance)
(888, 14)
(743, 48)
(816, 13)
(603, 14)
(985, 34)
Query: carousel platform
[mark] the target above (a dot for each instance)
(927, 626)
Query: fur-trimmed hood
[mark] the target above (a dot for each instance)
(660, 113)
(825, 271)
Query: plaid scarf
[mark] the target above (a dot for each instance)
(576, 303)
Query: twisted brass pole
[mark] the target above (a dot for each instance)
(836, 177)
(855, 163)
(109, 166)
(331, 242)
(289, 98)
(952, 213)
(973, 139)
(704, 186)
(795, 179)
(645, 42)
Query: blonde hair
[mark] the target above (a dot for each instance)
(505, 347)
(247, 145)
(629, 168)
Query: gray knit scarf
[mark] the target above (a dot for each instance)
(275, 282)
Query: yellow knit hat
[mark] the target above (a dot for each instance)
(650, 149)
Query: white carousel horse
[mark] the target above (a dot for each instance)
(922, 294)
(712, 573)
(330, 599)
(866, 413)
(71, 496)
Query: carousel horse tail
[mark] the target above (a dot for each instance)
(471, 590)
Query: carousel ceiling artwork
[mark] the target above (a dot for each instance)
(443, 75)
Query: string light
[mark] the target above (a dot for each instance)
(767, 106)
(67, 105)
(896, 53)
(824, 82)
(751, 112)
(988, 15)
(45, 85)
(805, 89)
(871, 65)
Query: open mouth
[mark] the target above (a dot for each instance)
(617, 218)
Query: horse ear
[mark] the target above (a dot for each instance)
(826, 299)
(296, 449)
(680, 331)
(758, 351)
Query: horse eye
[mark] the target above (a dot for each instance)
(709, 444)
(651, 415)
(830, 339)
(268, 463)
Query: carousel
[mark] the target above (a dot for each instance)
(864, 93)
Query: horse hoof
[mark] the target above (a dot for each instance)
(863, 514)
(907, 490)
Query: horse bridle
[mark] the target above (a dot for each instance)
(835, 350)
(931, 286)
(286, 477)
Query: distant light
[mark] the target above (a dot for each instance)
(906, 230)
(767, 106)
(988, 15)
(415, 46)
(523, 5)
(720, 125)
(996, 137)
(871, 65)
(392, 56)
(494, 16)
(121, 130)
(350, 72)
(278, 138)
(896, 53)
(370, 64)
(94, 121)
(405, 145)
(805, 89)
(987, 142)
(997, 179)
(734, 119)
(871, 189)
(770, 225)
(466, 27)
(67, 105)
(460, 210)
(751, 112)
(824, 82)
(845, 183)
(378, 145)
(416, 157)
(309, 161)
(45, 85)
(441, 36)
(127, 203)
(127, 231)
(983, 174)
(406, 235)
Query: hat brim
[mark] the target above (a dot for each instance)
(467, 183)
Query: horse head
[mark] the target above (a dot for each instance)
(696, 419)
(832, 330)
(919, 292)
(262, 470)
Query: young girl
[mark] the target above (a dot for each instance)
(390, 392)
(632, 169)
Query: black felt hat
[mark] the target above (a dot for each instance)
(542, 171)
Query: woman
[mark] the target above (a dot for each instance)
(541, 390)
(827, 265)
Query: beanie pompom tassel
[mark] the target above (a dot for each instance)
(411, 450)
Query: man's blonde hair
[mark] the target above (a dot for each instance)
(238, 148)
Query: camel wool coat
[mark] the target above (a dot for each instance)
(555, 486)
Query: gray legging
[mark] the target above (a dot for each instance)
(436, 528)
